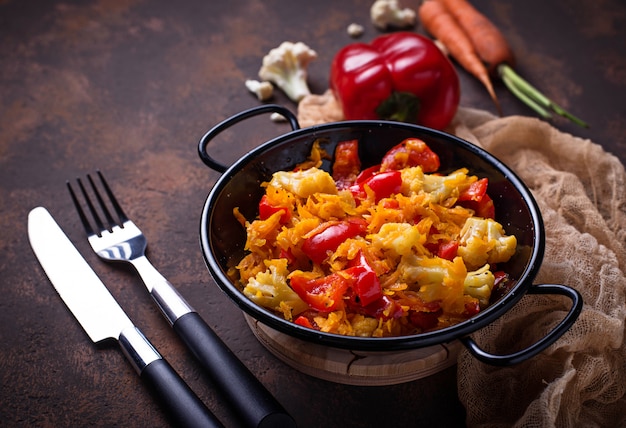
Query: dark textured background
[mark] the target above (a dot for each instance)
(128, 87)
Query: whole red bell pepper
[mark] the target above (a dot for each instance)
(399, 76)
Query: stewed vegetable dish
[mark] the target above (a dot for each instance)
(393, 249)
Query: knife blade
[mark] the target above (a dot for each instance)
(102, 318)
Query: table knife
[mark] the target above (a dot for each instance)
(102, 318)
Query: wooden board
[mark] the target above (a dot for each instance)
(355, 367)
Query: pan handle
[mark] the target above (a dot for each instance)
(220, 127)
(542, 344)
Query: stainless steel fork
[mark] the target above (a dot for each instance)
(121, 240)
(117, 238)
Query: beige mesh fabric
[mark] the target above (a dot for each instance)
(581, 379)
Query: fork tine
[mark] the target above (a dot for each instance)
(116, 205)
(97, 218)
(92, 209)
(81, 213)
(112, 222)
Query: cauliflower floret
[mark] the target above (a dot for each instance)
(479, 285)
(277, 117)
(439, 187)
(482, 240)
(388, 13)
(442, 187)
(412, 180)
(286, 66)
(269, 289)
(399, 238)
(364, 326)
(305, 183)
(263, 90)
(437, 280)
(355, 30)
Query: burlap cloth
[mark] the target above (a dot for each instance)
(580, 380)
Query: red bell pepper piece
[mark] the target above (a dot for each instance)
(399, 76)
(445, 249)
(366, 285)
(323, 294)
(384, 307)
(266, 210)
(476, 198)
(347, 165)
(367, 173)
(358, 282)
(411, 152)
(383, 184)
(502, 285)
(330, 235)
(391, 204)
(425, 320)
(287, 254)
(475, 192)
(304, 322)
(471, 308)
(484, 208)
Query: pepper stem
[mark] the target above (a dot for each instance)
(400, 107)
(532, 97)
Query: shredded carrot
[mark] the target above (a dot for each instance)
(440, 23)
(487, 39)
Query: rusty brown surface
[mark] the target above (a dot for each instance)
(128, 87)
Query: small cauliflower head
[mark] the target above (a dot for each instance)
(388, 14)
(263, 90)
(355, 30)
(269, 289)
(305, 183)
(286, 66)
(482, 240)
(479, 284)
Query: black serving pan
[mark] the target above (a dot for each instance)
(223, 238)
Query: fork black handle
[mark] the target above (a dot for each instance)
(255, 405)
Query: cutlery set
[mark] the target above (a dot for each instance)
(116, 238)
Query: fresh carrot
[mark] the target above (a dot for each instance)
(441, 18)
(487, 39)
(442, 26)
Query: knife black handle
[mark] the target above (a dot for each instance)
(255, 405)
(180, 402)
